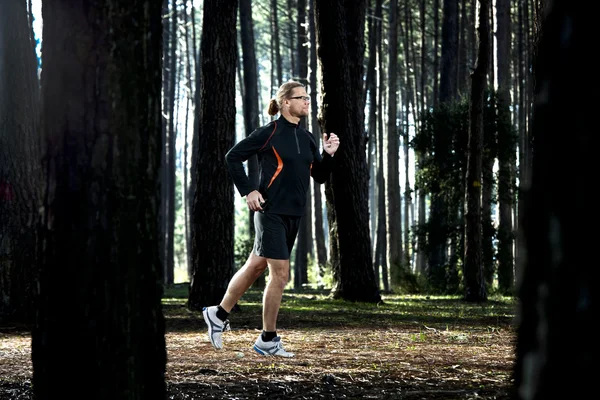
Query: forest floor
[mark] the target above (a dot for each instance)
(409, 347)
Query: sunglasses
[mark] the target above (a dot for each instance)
(305, 98)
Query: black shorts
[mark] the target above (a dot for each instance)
(275, 235)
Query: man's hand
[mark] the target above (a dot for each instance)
(331, 145)
(254, 200)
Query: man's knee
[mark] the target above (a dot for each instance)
(256, 264)
(279, 272)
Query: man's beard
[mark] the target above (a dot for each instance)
(302, 114)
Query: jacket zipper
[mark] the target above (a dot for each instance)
(297, 144)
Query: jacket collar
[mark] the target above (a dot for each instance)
(288, 123)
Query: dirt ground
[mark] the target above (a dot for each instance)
(407, 360)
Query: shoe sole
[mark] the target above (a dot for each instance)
(263, 353)
(259, 351)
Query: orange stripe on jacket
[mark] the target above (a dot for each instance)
(279, 167)
(274, 128)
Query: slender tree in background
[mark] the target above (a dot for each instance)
(275, 46)
(304, 240)
(506, 153)
(291, 42)
(439, 222)
(376, 183)
(474, 278)
(398, 270)
(195, 153)
(340, 35)
(319, 233)
(250, 106)
(20, 164)
(170, 167)
(423, 253)
(558, 293)
(212, 213)
(101, 116)
(488, 190)
(408, 216)
(370, 100)
(250, 84)
(190, 57)
(523, 74)
(380, 263)
(162, 215)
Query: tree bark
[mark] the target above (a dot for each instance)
(304, 241)
(506, 153)
(398, 269)
(474, 278)
(213, 210)
(251, 109)
(559, 288)
(440, 220)
(101, 234)
(171, 164)
(340, 29)
(20, 168)
(319, 230)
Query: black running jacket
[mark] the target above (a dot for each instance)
(287, 157)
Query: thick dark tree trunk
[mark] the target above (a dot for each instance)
(340, 29)
(20, 172)
(559, 291)
(101, 234)
(213, 211)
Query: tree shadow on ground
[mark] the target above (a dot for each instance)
(407, 348)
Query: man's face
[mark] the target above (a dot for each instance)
(298, 106)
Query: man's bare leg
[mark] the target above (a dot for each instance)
(242, 280)
(279, 271)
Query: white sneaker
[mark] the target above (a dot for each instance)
(272, 348)
(216, 327)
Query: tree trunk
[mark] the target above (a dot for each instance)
(20, 172)
(166, 94)
(558, 290)
(374, 38)
(340, 28)
(171, 167)
(251, 110)
(506, 153)
(439, 223)
(487, 198)
(189, 61)
(101, 234)
(319, 232)
(213, 210)
(474, 278)
(394, 200)
(303, 243)
(276, 45)
(381, 238)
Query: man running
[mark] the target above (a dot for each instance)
(288, 156)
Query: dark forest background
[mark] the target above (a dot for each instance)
(465, 130)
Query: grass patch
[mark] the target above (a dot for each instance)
(316, 308)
